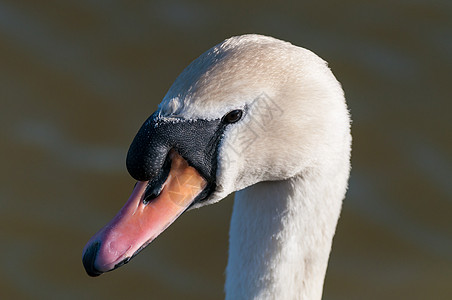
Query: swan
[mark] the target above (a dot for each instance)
(260, 117)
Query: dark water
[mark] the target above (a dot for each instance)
(77, 78)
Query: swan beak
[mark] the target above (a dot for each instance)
(139, 221)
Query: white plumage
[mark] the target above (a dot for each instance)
(289, 159)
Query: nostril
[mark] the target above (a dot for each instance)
(155, 186)
(151, 194)
(89, 257)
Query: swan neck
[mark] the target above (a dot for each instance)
(280, 237)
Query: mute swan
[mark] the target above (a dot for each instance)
(254, 115)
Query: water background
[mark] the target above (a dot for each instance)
(78, 78)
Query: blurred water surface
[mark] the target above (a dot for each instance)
(77, 79)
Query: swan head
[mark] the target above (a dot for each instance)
(250, 109)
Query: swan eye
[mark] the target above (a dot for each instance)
(232, 116)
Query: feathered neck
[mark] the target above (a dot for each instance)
(281, 234)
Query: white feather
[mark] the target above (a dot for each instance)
(288, 158)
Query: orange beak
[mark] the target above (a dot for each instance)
(138, 223)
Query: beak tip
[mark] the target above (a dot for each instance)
(89, 258)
